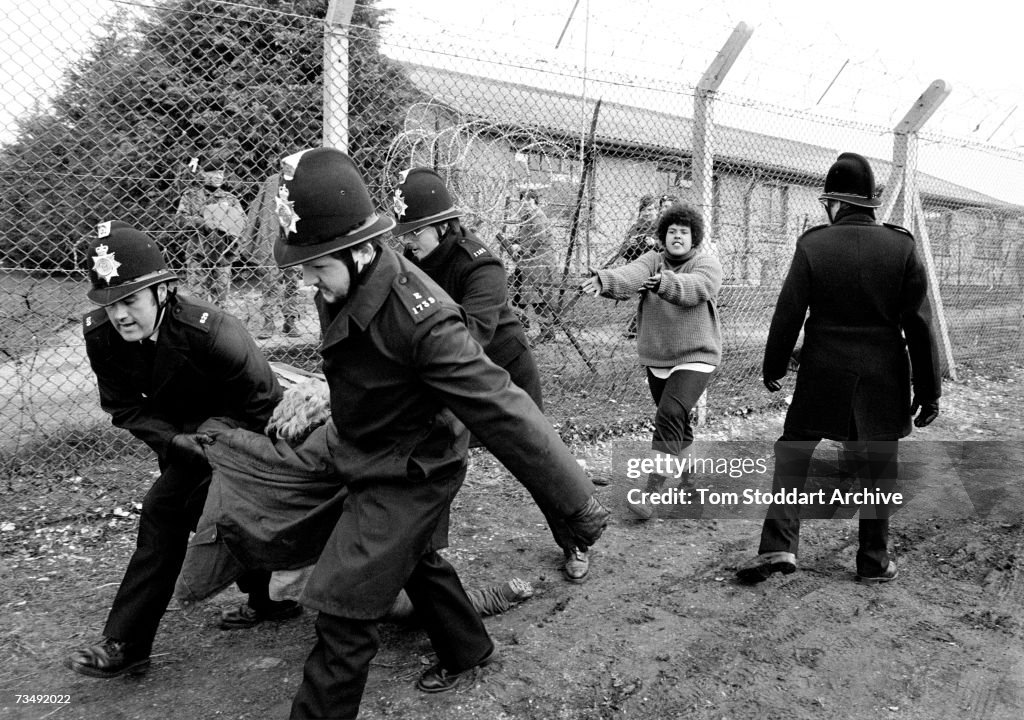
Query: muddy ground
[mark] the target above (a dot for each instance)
(660, 629)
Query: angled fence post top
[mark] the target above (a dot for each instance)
(723, 62)
(924, 108)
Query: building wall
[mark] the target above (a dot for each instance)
(754, 225)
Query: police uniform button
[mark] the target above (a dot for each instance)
(403, 280)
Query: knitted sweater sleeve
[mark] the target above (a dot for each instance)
(623, 282)
(696, 282)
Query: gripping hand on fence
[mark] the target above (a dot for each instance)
(592, 285)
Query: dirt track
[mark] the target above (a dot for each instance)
(659, 631)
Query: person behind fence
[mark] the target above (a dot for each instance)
(280, 291)
(428, 225)
(679, 339)
(164, 364)
(533, 251)
(860, 293)
(641, 237)
(216, 222)
(665, 202)
(405, 379)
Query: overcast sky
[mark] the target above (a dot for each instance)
(864, 62)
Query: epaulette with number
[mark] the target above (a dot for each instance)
(416, 296)
(94, 319)
(201, 317)
(474, 248)
(898, 228)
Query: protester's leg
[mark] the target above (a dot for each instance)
(335, 672)
(675, 397)
(673, 422)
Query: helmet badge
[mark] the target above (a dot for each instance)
(400, 205)
(285, 210)
(104, 264)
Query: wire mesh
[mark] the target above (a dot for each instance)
(163, 98)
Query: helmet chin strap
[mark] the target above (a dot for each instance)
(161, 311)
(356, 268)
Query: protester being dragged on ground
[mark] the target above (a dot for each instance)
(275, 498)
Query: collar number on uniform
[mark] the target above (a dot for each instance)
(423, 304)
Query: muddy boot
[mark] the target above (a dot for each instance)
(644, 510)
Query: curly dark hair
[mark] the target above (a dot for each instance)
(682, 214)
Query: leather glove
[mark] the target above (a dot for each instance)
(928, 411)
(772, 385)
(189, 447)
(587, 524)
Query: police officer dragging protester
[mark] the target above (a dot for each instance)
(435, 240)
(164, 364)
(868, 343)
(405, 378)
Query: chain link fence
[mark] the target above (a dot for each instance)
(175, 116)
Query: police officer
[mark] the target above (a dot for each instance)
(428, 225)
(867, 342)
(404, 374)
(165, 364)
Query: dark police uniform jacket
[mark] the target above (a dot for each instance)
(403, 371)
(204, 364)
(869, 325)
(476, 280)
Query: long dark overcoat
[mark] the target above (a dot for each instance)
(863, 292)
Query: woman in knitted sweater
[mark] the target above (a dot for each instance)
(679, 341)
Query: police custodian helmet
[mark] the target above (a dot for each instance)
(323, 206)
(421, 199)
(122, 261)
(850, 180)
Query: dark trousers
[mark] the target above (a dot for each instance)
(170, 511)
(876, 467)
(676, 397)
(335, 672)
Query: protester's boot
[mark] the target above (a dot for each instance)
(645, 510)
